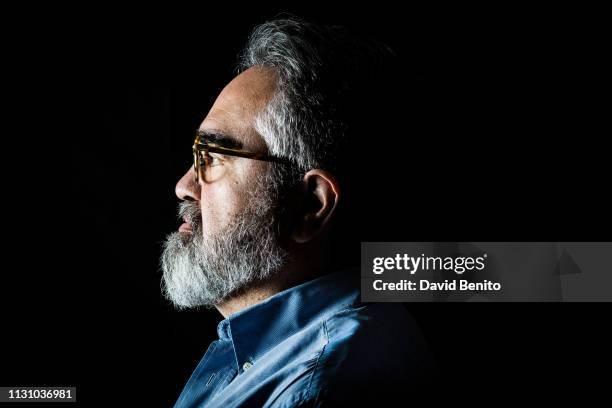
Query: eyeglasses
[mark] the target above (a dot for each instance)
(207, 164)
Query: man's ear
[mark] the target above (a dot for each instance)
(320, 195)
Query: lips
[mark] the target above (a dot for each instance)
(189, 213)
(185, 227)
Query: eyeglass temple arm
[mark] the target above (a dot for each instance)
(241, 153)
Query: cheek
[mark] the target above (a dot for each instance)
(222, 201)
(219, 205)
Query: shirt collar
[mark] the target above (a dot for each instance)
(258, 328)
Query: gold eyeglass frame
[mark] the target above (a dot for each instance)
(202, 149)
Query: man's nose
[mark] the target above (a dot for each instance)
(187, 188)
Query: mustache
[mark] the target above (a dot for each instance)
(190, 212)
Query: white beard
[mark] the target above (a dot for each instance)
(201, 270)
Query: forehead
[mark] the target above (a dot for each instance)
(236, 107)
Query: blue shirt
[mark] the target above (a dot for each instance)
(311, 345)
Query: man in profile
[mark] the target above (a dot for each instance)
(271, 228)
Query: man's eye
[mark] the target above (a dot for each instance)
(215, 159)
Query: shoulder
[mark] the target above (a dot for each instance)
(369, 351)
(372, 349)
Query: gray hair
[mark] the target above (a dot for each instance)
(318, 68)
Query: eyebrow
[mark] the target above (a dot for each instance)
(219, 139)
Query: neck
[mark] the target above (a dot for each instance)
(298, 272)
(308, 262)
(252, 296)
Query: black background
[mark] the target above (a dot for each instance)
(500, 138)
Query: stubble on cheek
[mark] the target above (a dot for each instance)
(221, 204)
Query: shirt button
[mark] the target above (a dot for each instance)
(247, 365)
